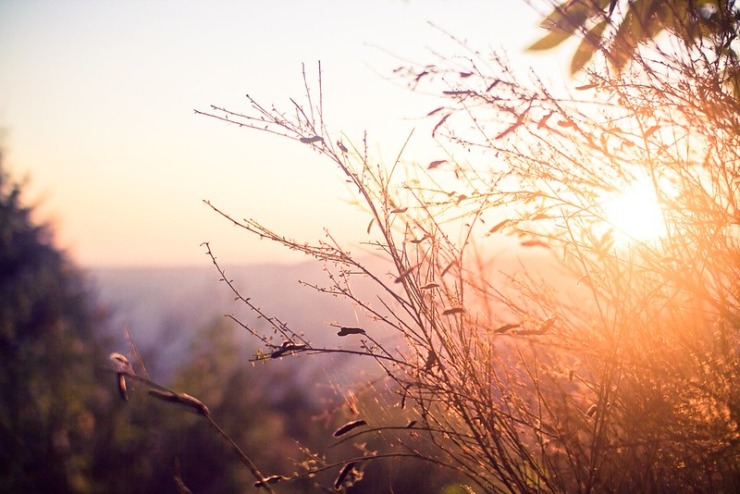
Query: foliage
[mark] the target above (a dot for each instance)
(160, 434)
(48, 387)
(166, 441)
(64, 427)
(610, 362)
(617, 29)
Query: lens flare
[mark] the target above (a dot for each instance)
(635, 213)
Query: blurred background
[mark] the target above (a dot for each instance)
(105, 169)
(98, 98)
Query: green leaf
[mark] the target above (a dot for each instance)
(550, 40)
(644, 20)
(568, 17)
(565, 20)
(588, 47)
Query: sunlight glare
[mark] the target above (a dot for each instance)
(635, 213)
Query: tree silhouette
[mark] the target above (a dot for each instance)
(47, 355)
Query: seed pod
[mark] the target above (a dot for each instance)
(505, 328)
(121, 363)
(181, 399)
(544, 328)
(343, 474)
(122, 387)
(286, 347)
(123, 366)
(403, 274)
(547, 324)
(498, 226)
(343, 331)
(534, 243)
(272, 479)
(431, 361)
(310, 140)
(348, 427)
(453, 310)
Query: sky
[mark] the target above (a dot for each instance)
(97, 100)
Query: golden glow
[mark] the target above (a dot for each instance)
(84, 170)
(635, 213)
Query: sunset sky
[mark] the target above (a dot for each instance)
(97, 99)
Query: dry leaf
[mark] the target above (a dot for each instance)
(122, 387)
(449, 266)
(544, 328)
(498, 226)
(431, 360)
(347, 331)
(542, 123)
(505, 328)
(508, 130)
(439, 124)
(405, 273)
(286, 348)
(651, 131)
(343, 474)
(272, 479)
(348, 427)
(534, 243)
(453, 310)
(181, 399)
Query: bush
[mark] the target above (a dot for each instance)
(617, 374)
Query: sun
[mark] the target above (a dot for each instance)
(635, 213)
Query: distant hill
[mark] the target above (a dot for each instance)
(163, 308)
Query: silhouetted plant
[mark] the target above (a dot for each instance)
(619, 29)
(609, 363)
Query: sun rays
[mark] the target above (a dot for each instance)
(635, 213)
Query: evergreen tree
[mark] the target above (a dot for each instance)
(47, 349)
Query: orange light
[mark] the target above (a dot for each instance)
(635, 213)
